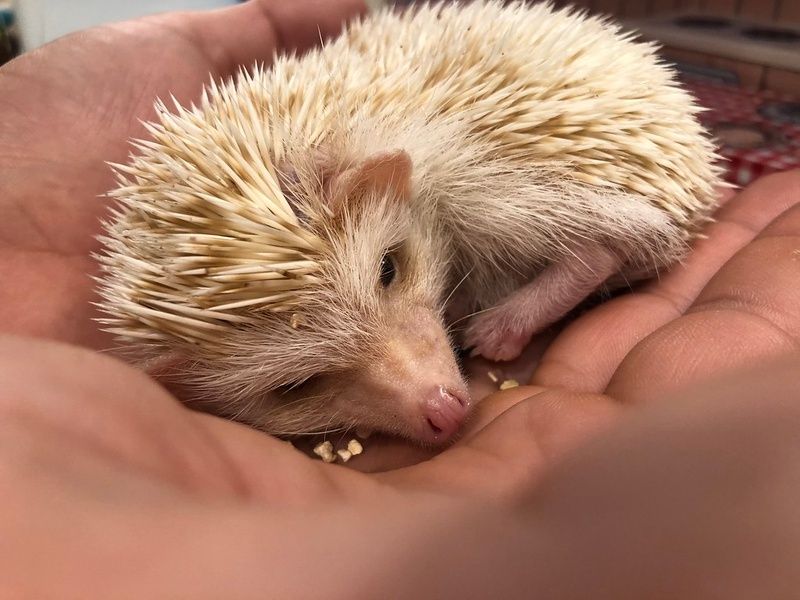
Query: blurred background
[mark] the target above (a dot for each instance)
(740, 58)
(40, 21)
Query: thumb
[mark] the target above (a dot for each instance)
(256, 29)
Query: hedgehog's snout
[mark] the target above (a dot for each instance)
(413, 386)
(444, 412)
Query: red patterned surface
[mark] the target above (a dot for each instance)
(731, 106)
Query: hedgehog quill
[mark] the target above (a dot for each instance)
(293, 252)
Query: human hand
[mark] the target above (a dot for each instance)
(114, 451)
(74, 104)
(112, 489)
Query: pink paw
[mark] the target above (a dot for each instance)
(490, 337)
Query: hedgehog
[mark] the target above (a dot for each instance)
(305, 250)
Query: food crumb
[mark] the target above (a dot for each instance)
(508, 384)
(325, 451)
(354, 447)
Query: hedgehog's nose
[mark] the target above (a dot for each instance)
(443, 411)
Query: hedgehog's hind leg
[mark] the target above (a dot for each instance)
(502, 332)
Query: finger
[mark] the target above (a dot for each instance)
(633, 317)
(253, 31)
(746, 314)
(494, 406)
(554, 420)
(294, 28)
(736, 224)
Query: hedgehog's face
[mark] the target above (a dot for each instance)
(368, 348)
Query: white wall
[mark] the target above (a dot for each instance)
(41, 21)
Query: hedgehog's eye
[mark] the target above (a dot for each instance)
(388, 270)
(299, 387)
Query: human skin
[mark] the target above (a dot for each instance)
(620, 472)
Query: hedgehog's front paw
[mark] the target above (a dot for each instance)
(491, 336)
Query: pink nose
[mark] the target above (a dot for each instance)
(444, 413)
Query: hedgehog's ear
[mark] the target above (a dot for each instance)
(387, 173)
